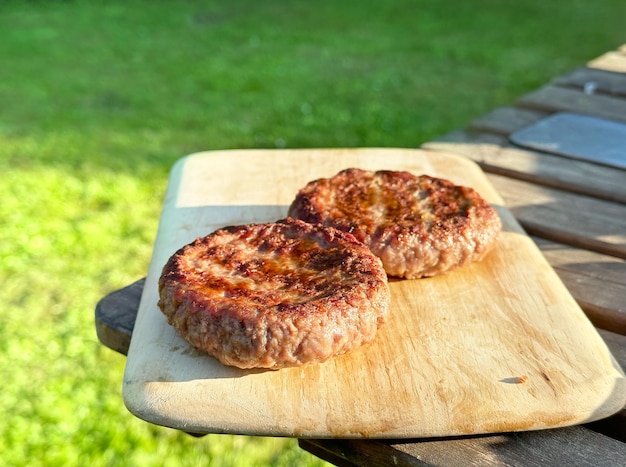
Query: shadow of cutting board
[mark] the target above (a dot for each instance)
(496, 346)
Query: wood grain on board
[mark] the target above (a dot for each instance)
(497, 346)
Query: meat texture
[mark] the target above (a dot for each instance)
(275, 295)
(419, 226)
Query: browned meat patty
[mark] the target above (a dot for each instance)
(275, 295)
(419, 226)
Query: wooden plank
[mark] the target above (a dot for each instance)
(506, 120)
(610, 61)
(551, 98)
(496, 155)
(614, 426)
(592, 80)
(116, 314)
(567, 446)
(354, 453)
(596, 281)
(617, 344)
(565, 217)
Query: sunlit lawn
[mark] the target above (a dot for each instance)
(98, 99)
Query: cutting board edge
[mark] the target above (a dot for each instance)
(157, 413)
(144, 411)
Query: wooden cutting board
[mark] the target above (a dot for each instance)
(496, 346)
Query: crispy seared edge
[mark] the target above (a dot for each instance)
(251, 335)
(442, 228)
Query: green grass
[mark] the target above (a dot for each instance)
(98, 99)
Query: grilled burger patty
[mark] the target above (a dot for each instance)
(275, 295)
(419, 226)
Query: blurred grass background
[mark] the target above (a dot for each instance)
(98, 99)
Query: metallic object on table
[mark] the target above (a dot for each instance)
(578, 136)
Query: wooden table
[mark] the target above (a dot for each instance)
(575, 211)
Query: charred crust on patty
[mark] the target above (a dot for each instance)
(420, 226)
(275, 295)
